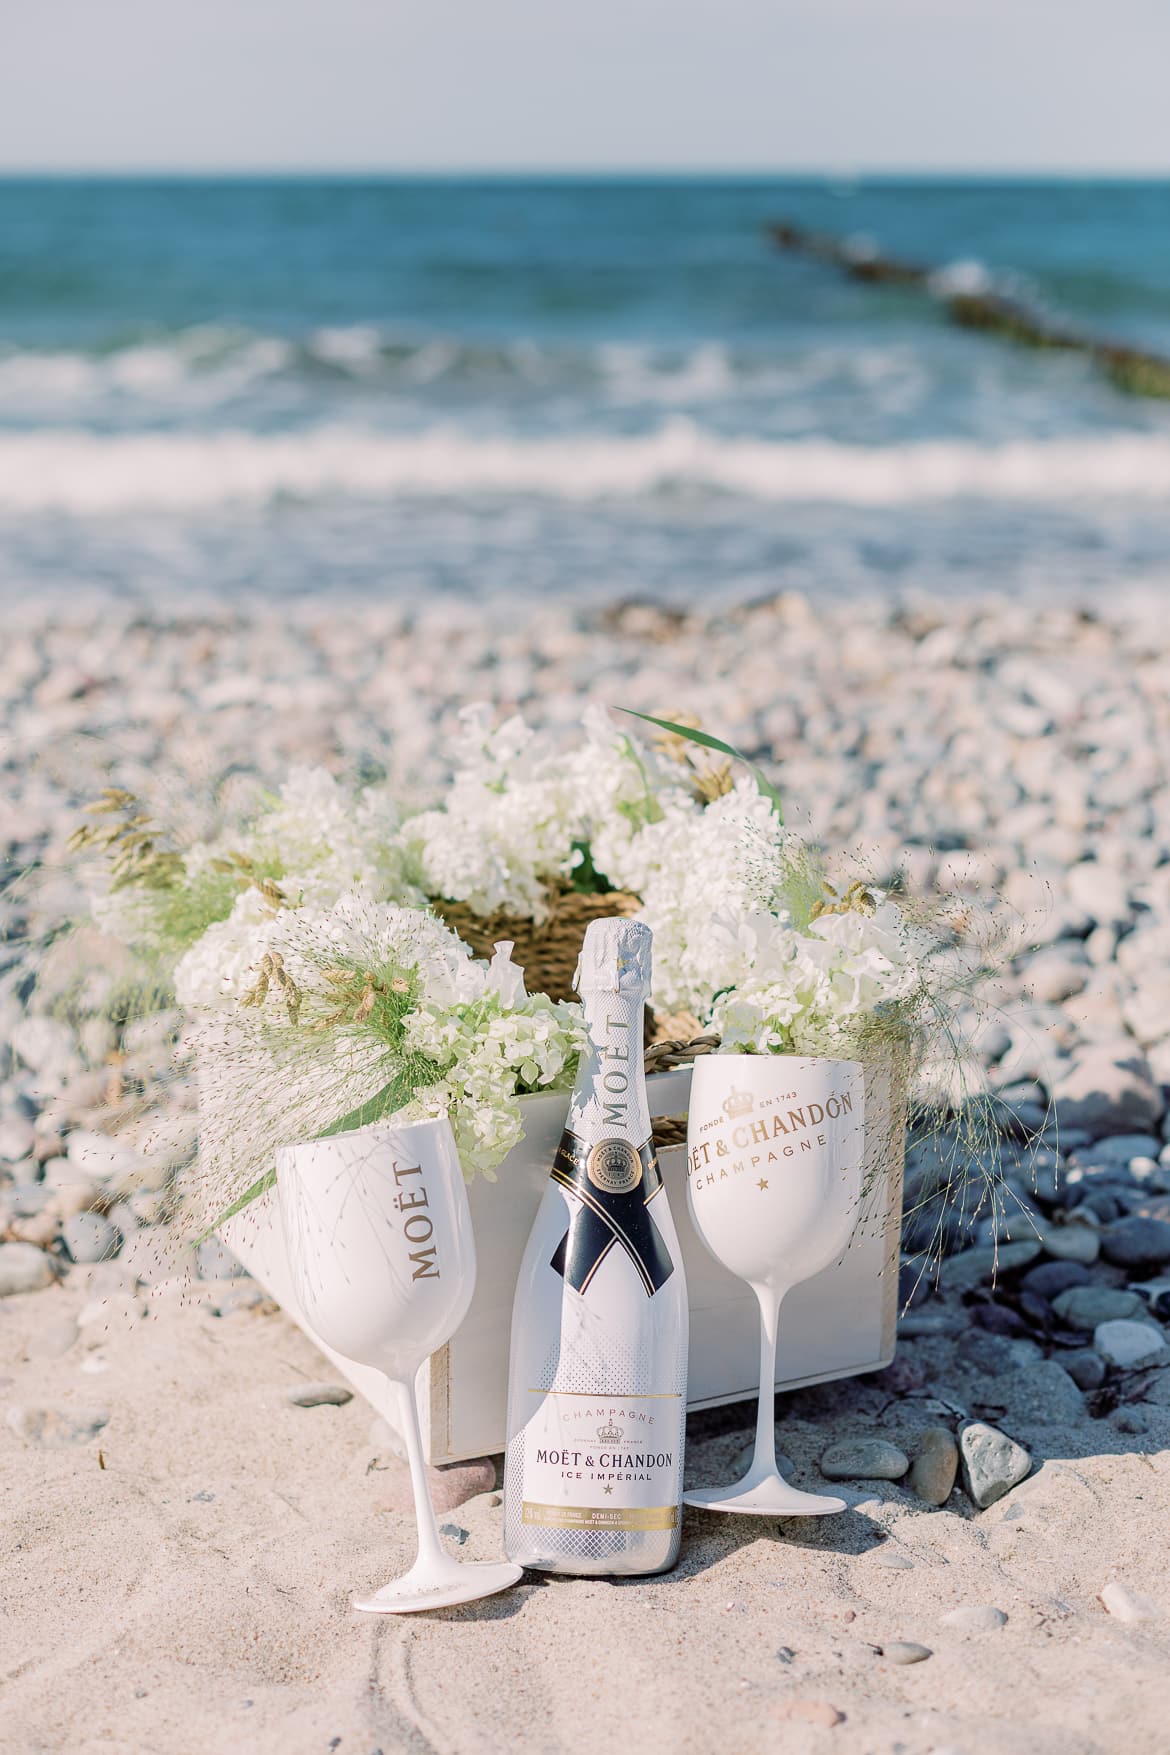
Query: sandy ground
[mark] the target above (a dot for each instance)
(180, 1581)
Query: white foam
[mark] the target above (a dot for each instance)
(196, 369)
(84, 472)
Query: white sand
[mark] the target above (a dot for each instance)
(192, 1594)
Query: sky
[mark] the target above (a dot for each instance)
(563, 85)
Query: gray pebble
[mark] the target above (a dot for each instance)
(1050, 1278)
(1086, 1306)
(992, 1463)
(933, 1322)
(28, 1199)
(1156, 1294)
(864, 1459)
(1120, 1148)
(959, 1273)
(88, 1237)
(1108, 1091)
(904, 1651)
(16, 1138)
(1075, 1242)
(1072, 1139)
(24, 1268)
(47, 1045)
(54, 1428)
(1137, 1242)
(932, 1474)
(455, 1531)
(1054, 975)
(1125, 1604)
(1085, 1367)
(319, 1395)
(99, 1156)
(975, 1618)
(1126, 1344)
(1099, 1204)
(245, 1296)
(743, 1459)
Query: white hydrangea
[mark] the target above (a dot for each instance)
(725, 888)
(489, 1040)
(326, 840)
(506, 827)
(223, 964)
(494, 1051)
(620, 786)
(816, 990)
(520, 810)
(696, 867)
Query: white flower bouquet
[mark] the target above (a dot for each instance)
(329, 941)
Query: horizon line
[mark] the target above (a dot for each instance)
(842, 174)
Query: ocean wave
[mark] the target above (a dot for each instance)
(199, 369)
(86, 473)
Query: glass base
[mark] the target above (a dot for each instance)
(440, 1585)
(766, 1495)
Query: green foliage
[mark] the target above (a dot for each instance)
(585, 877)
(706, 741)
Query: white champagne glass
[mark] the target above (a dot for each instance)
(775, 1147)
(380, 1246)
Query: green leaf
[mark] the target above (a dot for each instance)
(714, 743)
(382, 1103)
(261, 1186)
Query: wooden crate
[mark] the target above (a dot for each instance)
(838, 1324)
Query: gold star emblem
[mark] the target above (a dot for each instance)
(607, 1489)
(762, 1183)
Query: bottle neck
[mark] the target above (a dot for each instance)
(609, 1098)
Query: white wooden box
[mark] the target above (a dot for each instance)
(838, 1324)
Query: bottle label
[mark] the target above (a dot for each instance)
(614, 1183)
(605, 1462)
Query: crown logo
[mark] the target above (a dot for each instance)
(739, 1103)
(610, 1434)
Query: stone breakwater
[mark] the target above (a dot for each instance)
(1000, 748)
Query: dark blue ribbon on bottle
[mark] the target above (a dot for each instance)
(604, 1219)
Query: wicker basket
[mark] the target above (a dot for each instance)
(548, 956)
(547, 952)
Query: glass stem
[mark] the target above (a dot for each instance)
(430, 1548)
(765, 1457)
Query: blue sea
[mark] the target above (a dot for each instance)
(243, 389)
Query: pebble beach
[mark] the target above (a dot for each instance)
(191, 1498)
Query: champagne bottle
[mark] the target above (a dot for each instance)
(597, 1381)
